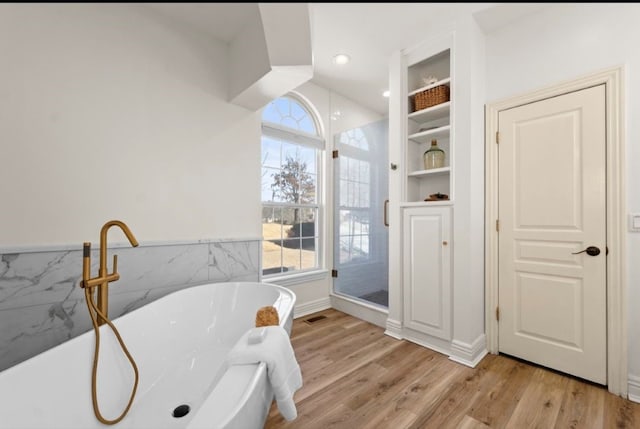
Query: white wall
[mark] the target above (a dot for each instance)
(564, 42)
(108, 112)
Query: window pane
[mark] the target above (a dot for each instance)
(289, 122)
(308, 225)
(309, 258)
(269, 192)
(270, 152)
(286, 111)
(271, 223)
(288, 217)
(307, 158)
(271, 257)
(271, 113)
(309, 189)
(291, 254)
(307, 125)
(290, 153)
(297, 112)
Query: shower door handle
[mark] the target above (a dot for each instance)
(385, 209)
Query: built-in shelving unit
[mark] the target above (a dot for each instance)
(426, 125)
(428, 234)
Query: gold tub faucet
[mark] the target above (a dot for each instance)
(104, 278)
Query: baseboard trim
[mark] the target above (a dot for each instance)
(439, 345)
(469, 354)
(311, 307)
(394, 329)
(369, 313)
(634, 388)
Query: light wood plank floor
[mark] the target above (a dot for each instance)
(357, 377)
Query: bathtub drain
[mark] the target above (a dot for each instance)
(181, 411)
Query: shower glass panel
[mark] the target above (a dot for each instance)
(361, 241)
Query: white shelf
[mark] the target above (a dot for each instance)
(433, 113)
(426, 203)
(446, 81)
(426, 136)
(431, 172)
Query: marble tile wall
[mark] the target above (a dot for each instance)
(42, 306)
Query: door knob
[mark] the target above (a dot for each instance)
(591, 251)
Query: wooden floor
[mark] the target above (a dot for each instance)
(357, 377)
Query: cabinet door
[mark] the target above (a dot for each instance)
(427, 270)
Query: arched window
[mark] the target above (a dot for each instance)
(291, 150)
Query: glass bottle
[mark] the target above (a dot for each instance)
(434, 157)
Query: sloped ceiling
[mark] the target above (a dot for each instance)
(272, 56)
(270, 50)
(368, 32)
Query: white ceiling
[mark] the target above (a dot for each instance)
(368, 32)
(222, 21)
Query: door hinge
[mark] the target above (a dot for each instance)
(498, 314)
(497, 137)
(497, 225)
(335, 154)
(334, 273)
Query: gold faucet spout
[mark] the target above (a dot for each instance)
(103, 238)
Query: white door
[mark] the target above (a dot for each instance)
(552, 300)
(427, 270)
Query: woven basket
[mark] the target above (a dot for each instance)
(430, 97)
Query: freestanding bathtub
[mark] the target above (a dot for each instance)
(179, 342)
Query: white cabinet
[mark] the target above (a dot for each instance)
(427, 270)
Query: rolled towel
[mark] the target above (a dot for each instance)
(271, 345)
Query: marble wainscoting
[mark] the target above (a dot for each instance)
(41, 304)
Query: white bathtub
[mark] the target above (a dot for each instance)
(179, 343)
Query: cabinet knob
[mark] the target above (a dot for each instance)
(394, 166)
(444, 243)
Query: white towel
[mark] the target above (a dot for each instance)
(271, 344)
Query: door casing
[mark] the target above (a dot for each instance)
(617, 348)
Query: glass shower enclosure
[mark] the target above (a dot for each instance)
(361, 238)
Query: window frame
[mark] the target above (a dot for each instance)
(317, 142)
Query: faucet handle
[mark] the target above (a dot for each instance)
(115, 264)
(86, 263)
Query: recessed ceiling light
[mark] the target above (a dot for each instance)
(341, 59)
(386, 93)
